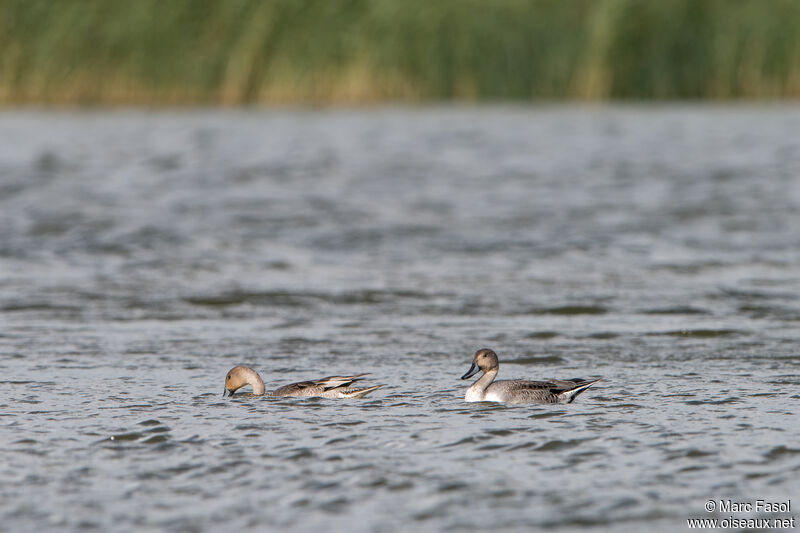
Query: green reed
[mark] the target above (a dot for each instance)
(354, 51)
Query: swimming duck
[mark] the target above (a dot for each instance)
(330, 387)
(486, 389)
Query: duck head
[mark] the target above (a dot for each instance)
(485, 359)
(239, 376)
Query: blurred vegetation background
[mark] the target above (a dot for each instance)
(232, 52)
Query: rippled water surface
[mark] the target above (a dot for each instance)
(143, 254)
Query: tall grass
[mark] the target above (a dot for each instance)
(345, 51)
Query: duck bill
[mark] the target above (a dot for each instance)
(226, 392)
(471, 372)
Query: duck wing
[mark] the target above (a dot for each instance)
(316, 387)
(546, 391)
(334, 382)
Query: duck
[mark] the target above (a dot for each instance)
(486, 389)
(329, 387)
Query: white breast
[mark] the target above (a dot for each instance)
(492, 396)
(473, 395)
(476, 395)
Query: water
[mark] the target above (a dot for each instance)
(143, 254)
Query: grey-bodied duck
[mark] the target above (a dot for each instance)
(329, 387)
(486, 389)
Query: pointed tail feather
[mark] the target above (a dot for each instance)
(333, 382)
(358, 393)
(568, 396)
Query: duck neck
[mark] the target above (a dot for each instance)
(255, 381)
(485, 380)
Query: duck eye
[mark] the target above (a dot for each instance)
(228, 376)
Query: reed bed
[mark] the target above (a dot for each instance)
(240, 52)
